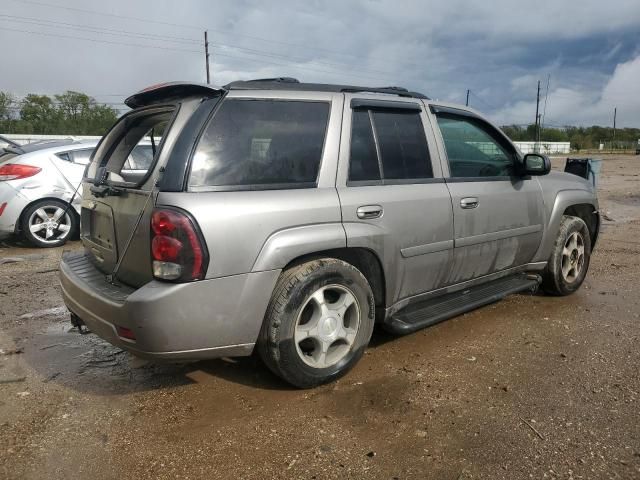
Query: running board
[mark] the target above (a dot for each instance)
(429, 312)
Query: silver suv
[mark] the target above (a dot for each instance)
(291, 217)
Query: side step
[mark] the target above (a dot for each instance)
(423, 314)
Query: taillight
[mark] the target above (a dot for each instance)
(13, 171)
(177, 248)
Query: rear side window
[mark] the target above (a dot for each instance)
(363, 164)
(259, 144)
(81, 157)
(402, 155)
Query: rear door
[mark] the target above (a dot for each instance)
(498, 214)
(393, 197)
(117, 201)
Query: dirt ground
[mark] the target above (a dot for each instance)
(531, 387)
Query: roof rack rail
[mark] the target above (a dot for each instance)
(400, 91)
(237, 83)
(288, 83)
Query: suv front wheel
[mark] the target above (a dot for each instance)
(569, 259)
(318, 323)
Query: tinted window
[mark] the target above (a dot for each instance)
(403, 145)
(260, 143)
(472, 150)
(363, 163)
(403, 150)
(64, 156)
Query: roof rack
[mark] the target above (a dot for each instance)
(288, 83)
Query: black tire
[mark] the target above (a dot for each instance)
(49, 206)
(554, 281)
(293, 292)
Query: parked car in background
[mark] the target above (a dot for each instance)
(5, 142)
(39, 180)
(290, 217)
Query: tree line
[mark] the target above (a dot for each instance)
(75, 113)
(581, 138)
(70, 113)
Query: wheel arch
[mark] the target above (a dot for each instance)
(363, 259)
(586, 212)
(580, 203)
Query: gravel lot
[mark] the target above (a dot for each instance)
(531, 387)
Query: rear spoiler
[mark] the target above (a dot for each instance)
(170, 91)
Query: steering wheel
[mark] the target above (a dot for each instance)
(490, 170)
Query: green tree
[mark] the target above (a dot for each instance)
(39, 114)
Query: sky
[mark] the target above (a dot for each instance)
(587, 51)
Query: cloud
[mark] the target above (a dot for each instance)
(440, 47)
(586, 107)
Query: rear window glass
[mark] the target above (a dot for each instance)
(257, 144)
(131, 147)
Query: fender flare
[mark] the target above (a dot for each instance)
(564, 199)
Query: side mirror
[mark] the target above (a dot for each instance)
(536, 164)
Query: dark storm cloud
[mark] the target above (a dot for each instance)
(497, 50)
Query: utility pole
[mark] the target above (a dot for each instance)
(206, 54)
(615, 111)
(467, 104)
(537, 130)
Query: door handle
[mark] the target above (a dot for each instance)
(469, 202)
(369, 211)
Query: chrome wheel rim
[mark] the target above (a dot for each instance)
(327, 326)
(572, 257)
(50, 224)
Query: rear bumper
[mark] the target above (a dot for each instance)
(14, 203)
(175, 322)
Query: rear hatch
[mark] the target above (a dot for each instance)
(119, 188)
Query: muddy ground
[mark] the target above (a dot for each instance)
(531, 387)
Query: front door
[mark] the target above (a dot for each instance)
(498, 214)
(393, 197)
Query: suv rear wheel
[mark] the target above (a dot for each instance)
(569, 259)
(48, 223)
(318, 323)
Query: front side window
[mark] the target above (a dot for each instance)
(402, 154)
(472, 149)
(257, 144)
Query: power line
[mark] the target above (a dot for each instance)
(164, 38)
(95, 29)
(182, 25)
(106, 14)
(100, 40)
(181, 50)
(490, 105)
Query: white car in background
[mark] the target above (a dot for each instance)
(38, 182)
